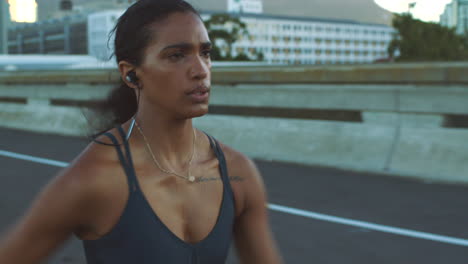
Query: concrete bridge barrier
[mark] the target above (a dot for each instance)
(404, 119)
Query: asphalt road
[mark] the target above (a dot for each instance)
(389, 201)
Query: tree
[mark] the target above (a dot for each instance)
(224, 31)
(420, 41)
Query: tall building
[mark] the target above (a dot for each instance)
(462, 17)
(447, 18)
(47, 9)
(456, 16)
(4, 24)
(50, 9)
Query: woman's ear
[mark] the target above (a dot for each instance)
(128, 75)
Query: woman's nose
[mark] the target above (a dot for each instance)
(200, 68)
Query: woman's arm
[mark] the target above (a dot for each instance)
(60, 209)
(253, 237)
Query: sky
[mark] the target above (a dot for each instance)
(426, 10)
(23, 10)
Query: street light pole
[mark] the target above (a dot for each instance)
(4, 23)
(411, 6)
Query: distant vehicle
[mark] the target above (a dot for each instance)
(384, 60)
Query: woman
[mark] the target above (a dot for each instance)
(166, 192)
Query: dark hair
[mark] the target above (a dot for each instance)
(133, 33)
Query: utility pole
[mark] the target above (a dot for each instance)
(4, 24)
(411, 6)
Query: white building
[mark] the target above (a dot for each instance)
(245, 6)
(293, 40)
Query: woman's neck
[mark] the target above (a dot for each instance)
(171, 141)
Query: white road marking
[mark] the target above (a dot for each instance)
(371, 226)
(33, 159)
(297, 212)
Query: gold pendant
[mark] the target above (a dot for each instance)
(191, 178)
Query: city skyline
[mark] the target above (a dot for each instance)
(427, 10)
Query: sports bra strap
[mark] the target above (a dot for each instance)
(132, 180)
(215, 146)
(119, 151)
(210, 139)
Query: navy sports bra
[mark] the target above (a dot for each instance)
(140, 237)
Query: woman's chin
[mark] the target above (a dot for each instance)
(200, 113)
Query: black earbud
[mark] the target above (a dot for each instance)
(131, 77)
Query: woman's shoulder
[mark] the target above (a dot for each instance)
(240, 163)
(246, 180)
(94, 170)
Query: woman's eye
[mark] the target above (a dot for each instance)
(207, 53)
(176, 56)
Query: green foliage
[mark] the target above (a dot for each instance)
(420, 41)
(228, 29)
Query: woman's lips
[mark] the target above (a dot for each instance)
(200, 96)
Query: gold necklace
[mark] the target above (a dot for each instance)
(190, 178)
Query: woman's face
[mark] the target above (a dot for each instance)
(176, 63)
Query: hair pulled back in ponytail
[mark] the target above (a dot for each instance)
(133, 33)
